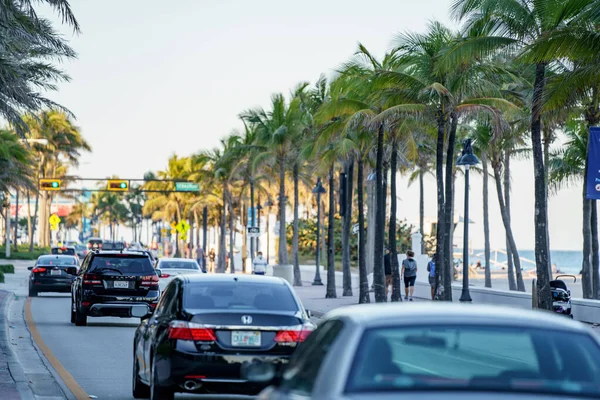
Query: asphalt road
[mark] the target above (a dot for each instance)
(98, 356)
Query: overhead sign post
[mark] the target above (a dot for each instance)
(187, 187)
(253, 232)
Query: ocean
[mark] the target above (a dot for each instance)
(567, 261)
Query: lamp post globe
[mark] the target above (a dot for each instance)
(467, 159)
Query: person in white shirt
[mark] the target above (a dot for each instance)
(259, 267)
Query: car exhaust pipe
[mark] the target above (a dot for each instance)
(192, 385)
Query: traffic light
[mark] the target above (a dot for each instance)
(118, 185)
(50, 184)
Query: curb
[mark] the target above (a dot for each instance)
(15, 368)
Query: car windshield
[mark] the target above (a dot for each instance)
(57, 261)
(239, 295)
(178, 265)
(122, 264)
(494, 358)
(63, 250)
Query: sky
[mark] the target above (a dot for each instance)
(156, 78)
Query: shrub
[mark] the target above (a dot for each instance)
(1, 277)
(7, 268)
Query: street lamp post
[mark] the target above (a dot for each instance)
(467, 159)
(268, 204)
(318, 190)
(258, 208)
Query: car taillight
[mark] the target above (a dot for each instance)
(150, 280)
(39, 269)
(91, 279)
(294, 335)
(183, 330)
(165, 275)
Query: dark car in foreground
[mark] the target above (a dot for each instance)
(52, 273)
(207, 328)
(114, 284)
(439, 351)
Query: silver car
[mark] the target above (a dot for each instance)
(438, 351)
(169, 268)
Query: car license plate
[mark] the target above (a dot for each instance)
(55, 272)
(121, 285)
(245, 339)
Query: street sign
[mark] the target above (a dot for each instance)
(117, 185)
(173, 225)
(187, 187)
(50, 184)
(182, 227)
(163, 231)
(54, 219)
(354, 229)
(183, 237)
(173, 232)
(253, 232)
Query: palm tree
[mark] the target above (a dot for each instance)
(30, 47)
(15, 163)
(530, 25)
(276, 130)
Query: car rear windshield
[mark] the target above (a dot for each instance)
(178, 265)
(122, 264)
(238, 295)
(494, 358)
(56, 261)
(63, 250)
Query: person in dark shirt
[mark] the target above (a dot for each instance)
(387, 264)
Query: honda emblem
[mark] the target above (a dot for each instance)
(246, 319)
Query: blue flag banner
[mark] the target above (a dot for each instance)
(593, 160)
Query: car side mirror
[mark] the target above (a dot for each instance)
(29, 268)
(308, 313)
(158, 272)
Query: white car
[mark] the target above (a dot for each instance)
(169, 268)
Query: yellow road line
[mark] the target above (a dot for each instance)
(62, 372)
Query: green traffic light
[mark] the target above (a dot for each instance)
(123, 185)
(54, 184)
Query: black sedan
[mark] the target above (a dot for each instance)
(52, 273)
(207, 328)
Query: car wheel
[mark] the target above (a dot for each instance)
(80, 318)
(32, 292)
(157, 392)
(73, 315)
(139, 389)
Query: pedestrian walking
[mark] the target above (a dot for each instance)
(211, 257)
(387, 264)
(409, 272)
(259, 267)
(431, 277)
(200, 257)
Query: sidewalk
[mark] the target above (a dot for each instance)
(313, 297)
(8, 386)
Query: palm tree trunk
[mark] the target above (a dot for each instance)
(512, 283)
(518, 271)
(486, 219)
(222, 244)
(396, 295)
(231, 238)
(363, 291)
(441, 291)
(422, 209)
(295, 259)
(371, 222)
(331, 292)
(283, 258)
(595, 255)
(505, 219)
(586, 274)
(346, 225)
(378, 271)
(542, 242)
(449, 204)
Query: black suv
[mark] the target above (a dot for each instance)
(114, 284)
